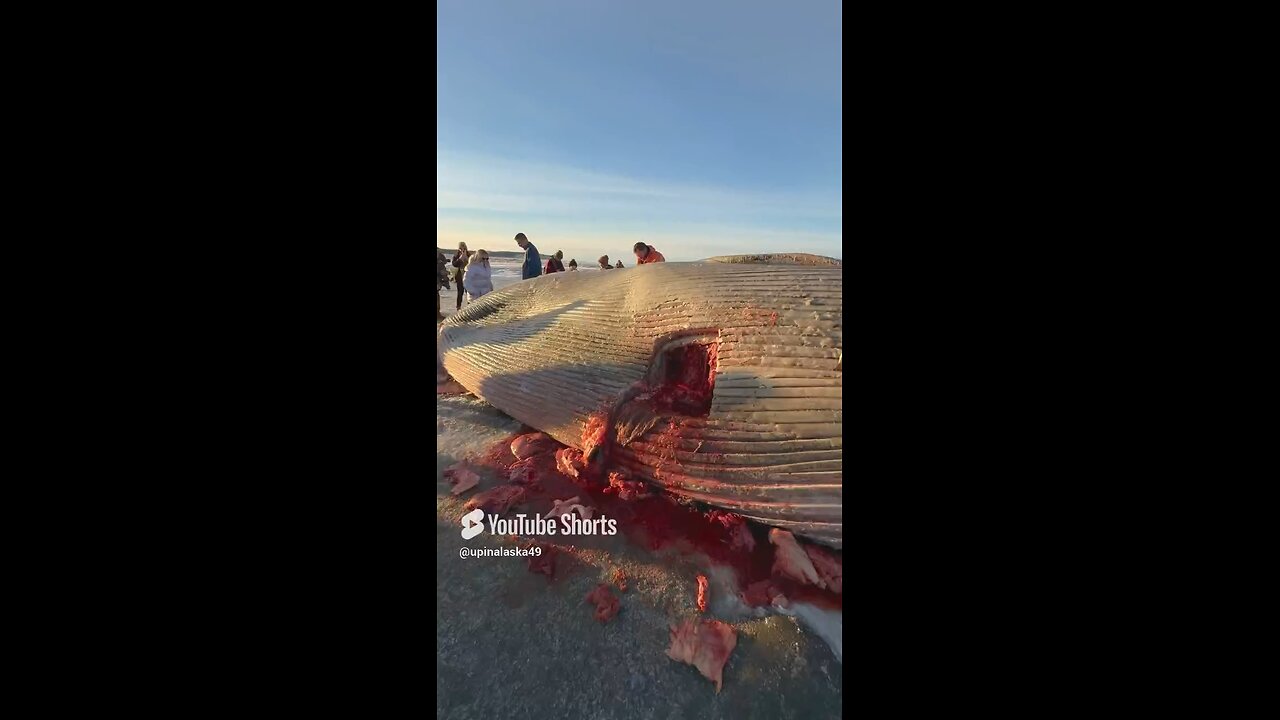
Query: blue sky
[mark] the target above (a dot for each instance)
(703, 127)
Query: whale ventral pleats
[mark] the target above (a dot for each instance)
(719, 382)
(778, 259)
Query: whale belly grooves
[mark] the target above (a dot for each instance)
(718, 381)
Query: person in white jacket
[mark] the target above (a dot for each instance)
(477, 279)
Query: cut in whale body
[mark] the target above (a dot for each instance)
(718, 381)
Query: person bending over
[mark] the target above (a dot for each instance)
(646, 254)
(554, 263)
(532, 267)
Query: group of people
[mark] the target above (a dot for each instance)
(533, 267)
(645, 254)
(471, 272)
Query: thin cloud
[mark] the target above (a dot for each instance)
(577, 202)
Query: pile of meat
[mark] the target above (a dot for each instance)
(705, 645)
(775, 573)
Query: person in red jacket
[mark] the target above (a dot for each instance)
(554, 263)
(646, 254)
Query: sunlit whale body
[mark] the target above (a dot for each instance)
(719, 381)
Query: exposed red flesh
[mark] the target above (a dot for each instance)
(702, 593)
(626, 489)
(532, 444)
(829, 567)
(791, 561)
(569, 462)
(739, 534)
(606, 604)
(705, 645)
(593, 433)
(689, 380)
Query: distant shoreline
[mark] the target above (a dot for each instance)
(492, 253)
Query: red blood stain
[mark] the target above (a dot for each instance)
(655, 520)
(498, 456)
(525, 472)
(702, 593)
(498, 500)
(761, 593)
(660, 523)
(829, 567)
(664, 445)
(736, 525)
(544, 563)
(606, 604)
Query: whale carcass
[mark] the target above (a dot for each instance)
(719, 381)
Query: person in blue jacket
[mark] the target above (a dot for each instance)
(532, 260)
